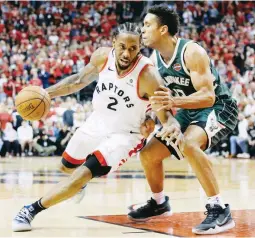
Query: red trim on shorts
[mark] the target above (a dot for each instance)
(138, 147)
(148, 110)
(100, 158)
(137, 85)
(72, 160)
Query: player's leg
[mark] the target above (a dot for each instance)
(80, 146)
(204, 132)
(61, 192)
(195, 142)
(152, 157)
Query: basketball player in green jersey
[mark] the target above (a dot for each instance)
(207, 114)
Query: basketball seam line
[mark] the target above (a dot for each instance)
(27, 101)
(38, 105)
(37, 93)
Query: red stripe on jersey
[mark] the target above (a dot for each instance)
(72, 160)
(100, 158)
(138, 147)
(149, 109)
(137, 85)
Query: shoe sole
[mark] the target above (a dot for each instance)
(218, 229)
(170, 213)
(20, 228)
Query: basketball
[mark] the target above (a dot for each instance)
(32, 103)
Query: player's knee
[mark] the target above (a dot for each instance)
(62, 168)
(144, 156)
(65, 169)
(96, 169)
(188, 146)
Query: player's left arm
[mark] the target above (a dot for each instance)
(197, 62)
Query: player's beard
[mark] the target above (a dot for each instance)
(120, 67)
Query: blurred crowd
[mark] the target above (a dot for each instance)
(41, 42)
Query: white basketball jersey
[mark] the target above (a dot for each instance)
(116, 102)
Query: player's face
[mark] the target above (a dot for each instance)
(127, 47)
(150, 30)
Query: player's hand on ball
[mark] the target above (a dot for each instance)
(162, 100)
(169, 133)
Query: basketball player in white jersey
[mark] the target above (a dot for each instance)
(112, 133)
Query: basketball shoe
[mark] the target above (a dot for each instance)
(22, 220)
(150, 210)
(217, 220)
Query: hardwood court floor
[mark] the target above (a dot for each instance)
(102, 213)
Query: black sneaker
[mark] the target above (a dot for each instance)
(150, 210)
(23, 219)
(218, 220)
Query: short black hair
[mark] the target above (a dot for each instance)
(128, 27)
(166, 16)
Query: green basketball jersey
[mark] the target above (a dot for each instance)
(177, 77)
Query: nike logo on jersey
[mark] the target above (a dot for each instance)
(110, 69)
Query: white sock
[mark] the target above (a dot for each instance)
(216, 200)
(159, 197)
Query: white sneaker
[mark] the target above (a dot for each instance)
(22, 220)
(243, 156)
(30, 153)
(80, 195)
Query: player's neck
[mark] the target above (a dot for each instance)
(166, 48)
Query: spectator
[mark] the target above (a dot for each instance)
(68, 116)
(10, 139)
(251, 136)
(35, 81)
(25, 136)
(241, 139)
(5, 117)
(79, 116)
(44, 76)
(43, 145)
(64, 136)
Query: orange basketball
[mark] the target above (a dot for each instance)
(32, 103)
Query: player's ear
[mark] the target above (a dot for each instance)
(164, 29)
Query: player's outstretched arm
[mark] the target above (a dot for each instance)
(88, 74)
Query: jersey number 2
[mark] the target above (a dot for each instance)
(110, 105)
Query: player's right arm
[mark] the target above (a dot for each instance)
(88, 74)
